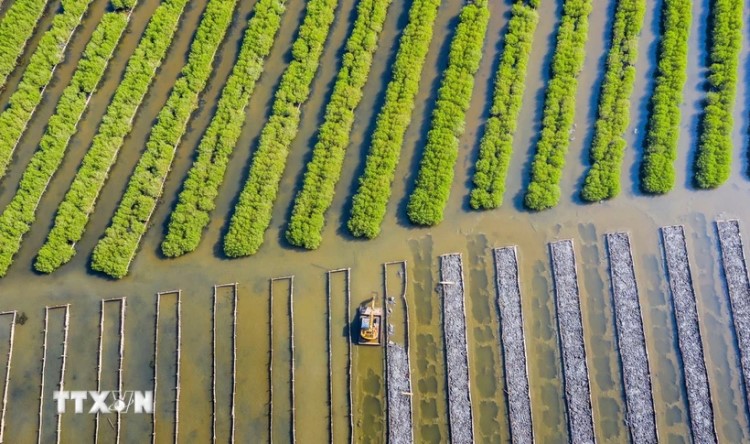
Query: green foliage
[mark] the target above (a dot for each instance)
(18, 216)
(427, 201)
(660, 149)
(38, 73)
(323, 172)
(252, 214)
(198, 196)
(607, 149)
(16, 28)
(497, 142)
(116, 249)
(714, 158)
(559, 107)
(370, 201)
(79, 202)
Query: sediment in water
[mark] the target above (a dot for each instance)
(631, 341)
(735, 273)
(570, 326)
(514, 347)
(688, 334)
(456, 350)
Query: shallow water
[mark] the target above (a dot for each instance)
(471, 233)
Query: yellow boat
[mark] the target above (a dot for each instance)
(370, 322)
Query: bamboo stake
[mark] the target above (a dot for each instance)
(121, 340)
(349, 357)
(291, 344)
(61, 383)
(178, 292)
(270, 362)
(64, 359)
(235, 292)
(99, 367)
(156, 367)
(234, 359)
(177, 378)
(293, 431)
(213, 368)
(123, 305)
(44, 366)
(330, 356)
(7, 370)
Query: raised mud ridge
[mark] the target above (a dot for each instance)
(689, 335)
(456, 350)
(735, 272)
(399, 398)
(575, 371)
(514, 347)
(631, 341)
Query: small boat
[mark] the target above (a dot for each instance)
(370, 322)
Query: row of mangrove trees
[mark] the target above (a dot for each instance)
(48, 53)
(116, 249)
(559, 107)
(201, 187)
(80, 200)
(324, 169)
(496, 145)
(608, 146)
(18, 216)
(370, 202)
(713, 163)
(252, 214)
(660, 146)
(435, 176)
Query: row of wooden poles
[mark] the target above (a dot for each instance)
(235, 293)
(121, 351)
(159, 295)
(292, 413)
(178, 293)
(13, 314)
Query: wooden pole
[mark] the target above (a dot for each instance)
(214, 365)
(44, 366)
(178, 292)
(291, 349)
(291, 370)
(213, 368)
(7, 370)
(177, 376)
(330, 356)
(234, 360)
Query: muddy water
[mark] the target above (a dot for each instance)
(472, 234)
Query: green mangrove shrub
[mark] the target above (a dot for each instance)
(252, 214)
(16, 28)
(714, 159)
(80, 200)
(201, 187)
(49, 52)
(324, 169)
(116, 249)
(608, 146)
(370, 201)
(660, 147)
(16, 219)
(559, 107)
(427, 201)
(496, 145)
